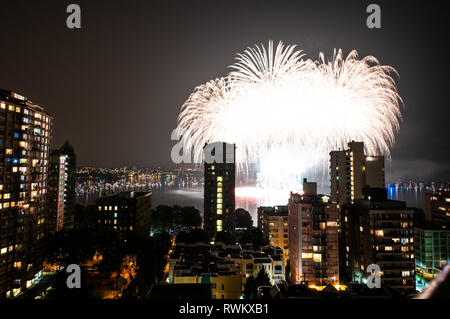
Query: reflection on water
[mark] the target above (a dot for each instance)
(413, 196)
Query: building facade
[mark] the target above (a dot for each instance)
(219, 196)
(61, 186)
(225, 267)
(432, 251)
(274, 223)
(25, 137)
(125, 212)
(437, 207)
(381, 232)
(351, 171)
(313, 238)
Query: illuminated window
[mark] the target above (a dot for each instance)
(219, 228)
(115, 207)
(11, 107)
(405, 273)
(219, 206)
(331, 224)
(379, 233)
(99, 207)
(317, 258)
(219, 212)
(6, 196)
(3, 105)
(388, 248)
(219, 222)
(405, 248)
(219, 179)
(307, 255)
(9, 151)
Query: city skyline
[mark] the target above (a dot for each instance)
(131, 108)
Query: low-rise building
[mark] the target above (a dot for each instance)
(125, 212)
(225, 267)
(273, 223)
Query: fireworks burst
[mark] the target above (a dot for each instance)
(286, 113)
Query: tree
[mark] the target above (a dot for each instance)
(162, 218)
(243, 219)
(197, 235)
(253, 236)
(191, 217)
(263, 279)
(250, 288)
(225, 237)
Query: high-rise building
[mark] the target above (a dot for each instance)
(273, 223)
(432, 251)
(377, 231)
(437, 207)
(25, 136)
(125, 212)
(351, 171)
(61, 186)
(219, 197)
(313, 237)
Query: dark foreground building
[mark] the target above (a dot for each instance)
(125, 212)
(61, 187)
(219, 198)
(378, 231)
(25, 136)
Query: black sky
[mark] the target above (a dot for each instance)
(115, 87)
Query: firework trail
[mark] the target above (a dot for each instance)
(286, 113)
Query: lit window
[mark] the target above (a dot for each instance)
(11, 107)
(388, 248)
(307, 255)
(379, 233)
(219, 222)
(219, 212)
(219, 179)
(317, 258)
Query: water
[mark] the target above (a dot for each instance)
(413, 196)
(251, 198)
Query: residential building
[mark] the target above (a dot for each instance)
(313, 237)
(437, 207)
(351, 171)
(219, 197)
(125, 212)
(432, 251)
(25, 137)
(225, 267)
(61, 186)
(273, 223)
(377, 231)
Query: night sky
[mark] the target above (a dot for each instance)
(115, 86)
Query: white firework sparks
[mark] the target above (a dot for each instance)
(286, 113)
